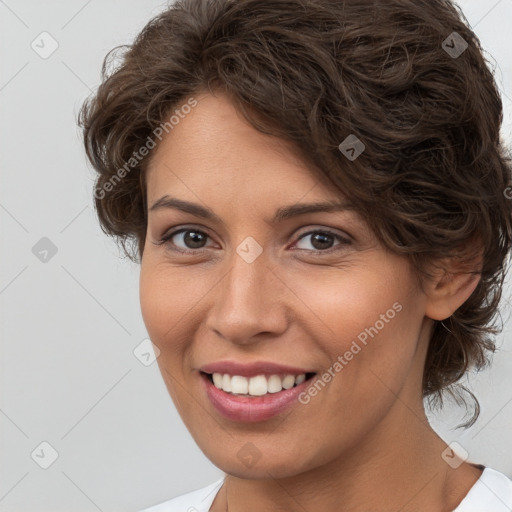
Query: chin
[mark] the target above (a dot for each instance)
(249, 462)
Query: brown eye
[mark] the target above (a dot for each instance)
(185, 239)
(193, 239)
(322, 241)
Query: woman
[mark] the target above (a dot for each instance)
(317, 193)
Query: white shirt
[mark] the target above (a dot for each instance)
(492, 492)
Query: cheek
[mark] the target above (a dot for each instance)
(371, 319)
(165, 305)
(153, 302)
(349, 304)
(167, 292)
(165, 312)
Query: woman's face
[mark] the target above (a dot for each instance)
(239, 293)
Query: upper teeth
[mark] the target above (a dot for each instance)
(255, 386)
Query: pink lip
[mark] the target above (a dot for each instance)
(252, 369)
(252, 409)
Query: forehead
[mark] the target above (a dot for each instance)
(214, 147)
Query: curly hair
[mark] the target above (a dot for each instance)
(405, 78)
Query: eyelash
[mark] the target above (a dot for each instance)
(165, 240)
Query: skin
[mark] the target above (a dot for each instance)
(364, 440)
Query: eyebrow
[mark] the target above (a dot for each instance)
(281, 214)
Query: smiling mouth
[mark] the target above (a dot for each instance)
(258, 385)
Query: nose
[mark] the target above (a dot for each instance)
(248, 302)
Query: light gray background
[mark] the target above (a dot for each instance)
(70, 325)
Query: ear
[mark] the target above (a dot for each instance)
(452, 284)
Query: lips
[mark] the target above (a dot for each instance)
(239, 406)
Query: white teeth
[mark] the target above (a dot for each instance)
(288, 381)
(256, 386)
(274, 384)
(217, 380)
(239, 385)
(226, 382)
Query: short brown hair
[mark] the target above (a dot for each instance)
(407, 78)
